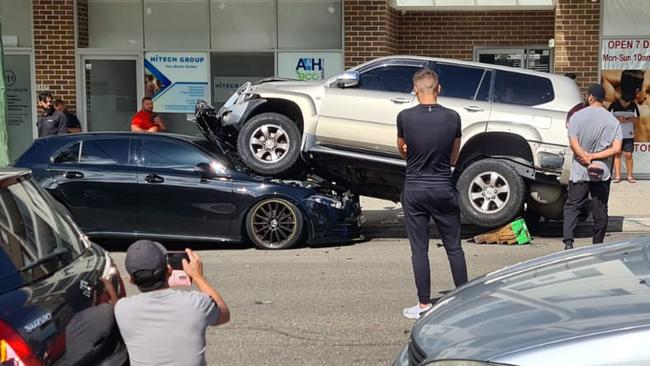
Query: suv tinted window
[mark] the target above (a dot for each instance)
(105, 151)
(392, 78)
(522, 89)
(462, 82)
(68, 156)
(31, 229)
(171, 155)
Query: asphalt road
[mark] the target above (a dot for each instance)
(338, 305)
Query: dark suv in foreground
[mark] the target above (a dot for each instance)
(56, 287)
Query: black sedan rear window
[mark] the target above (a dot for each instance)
(35, 240)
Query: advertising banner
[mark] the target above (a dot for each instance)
(309, 66)
(625, 69)
(175, 80)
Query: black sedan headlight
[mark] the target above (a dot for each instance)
(327, 201)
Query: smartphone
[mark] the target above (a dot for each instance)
(179, 279)
(175, 259)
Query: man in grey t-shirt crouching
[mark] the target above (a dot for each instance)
(163, 326)
(595, 136)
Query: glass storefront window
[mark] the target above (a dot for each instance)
(20, 121)
(310, 24)
(230, 70)
(176, 24)
(16, 20)
(114, 24)
(242, 24)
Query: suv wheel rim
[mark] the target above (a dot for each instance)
(489, 192)
(274, 223)
(269, 143)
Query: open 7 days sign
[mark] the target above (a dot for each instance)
(175, 80)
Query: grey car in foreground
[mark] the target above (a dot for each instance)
(582, 307)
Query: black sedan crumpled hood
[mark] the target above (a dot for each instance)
(550, 299)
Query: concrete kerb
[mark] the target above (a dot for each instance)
(385, 219)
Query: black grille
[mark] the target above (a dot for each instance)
(416, 356)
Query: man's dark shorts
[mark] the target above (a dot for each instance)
(628, 145)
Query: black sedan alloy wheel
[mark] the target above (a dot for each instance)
(274, 224)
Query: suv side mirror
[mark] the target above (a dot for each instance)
(205, 171)
(347, 79)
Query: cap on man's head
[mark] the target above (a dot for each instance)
(146, 262)
(596, 91)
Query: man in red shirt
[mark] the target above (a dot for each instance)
(146, 120)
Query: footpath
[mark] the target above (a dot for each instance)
(629, 211)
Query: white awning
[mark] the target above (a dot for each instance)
(472, 5)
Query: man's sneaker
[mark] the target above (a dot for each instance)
(415, 311)
(568, 244)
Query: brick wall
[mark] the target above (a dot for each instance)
(577, 28)
(455, 34)
(54, 51)
(369, 27)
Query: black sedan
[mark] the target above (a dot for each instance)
(164, 186)
(57, 289)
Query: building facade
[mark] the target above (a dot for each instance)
(103, 56)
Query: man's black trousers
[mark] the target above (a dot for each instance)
(440, 201)
(578, 195)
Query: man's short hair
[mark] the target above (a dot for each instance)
(42, 96)
(145, 99)
(426, 78)
(631, 83)
(58, 102)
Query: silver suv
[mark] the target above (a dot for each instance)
(514, 153)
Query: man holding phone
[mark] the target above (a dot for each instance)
(164, 326)
(594, 136)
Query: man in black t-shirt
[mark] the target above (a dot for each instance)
(72, 121)
(428, 137)
(51, 122)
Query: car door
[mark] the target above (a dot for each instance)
(96, 180)
(173, 199)
(363, 117)
(466, 89)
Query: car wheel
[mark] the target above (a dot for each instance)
(269, 144)
(274, 223)
(491, 193)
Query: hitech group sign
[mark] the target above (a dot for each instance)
(175, 80)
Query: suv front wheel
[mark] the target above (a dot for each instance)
(269, 144)
(491, 193)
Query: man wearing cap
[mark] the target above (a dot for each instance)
(163, 326)
(595, 136)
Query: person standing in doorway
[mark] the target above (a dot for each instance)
(74, 125)
(50, 122)
(595, 137)
(146, 120)
(627, 113)
(428, 137)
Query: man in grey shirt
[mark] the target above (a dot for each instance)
(163, 326)
(595, 136)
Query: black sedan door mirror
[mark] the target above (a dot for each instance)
(205, 171)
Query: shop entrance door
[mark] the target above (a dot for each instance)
(110, 92)
(21, 121)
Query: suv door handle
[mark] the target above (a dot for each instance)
(400, 100)
(73, 175)
(154, 178)
(473, 108)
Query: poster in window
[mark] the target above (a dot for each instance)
(176, 80)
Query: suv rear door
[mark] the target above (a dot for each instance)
(466, 89)
(363, 117)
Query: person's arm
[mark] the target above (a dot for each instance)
(583, 157)
(401, 142)
(63, 124)
(609, 152)
(194, 269)
(455, 151)
(159, 123)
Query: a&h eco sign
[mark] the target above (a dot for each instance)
(309, 66)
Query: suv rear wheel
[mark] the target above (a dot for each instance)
(491, 193)
(269, 143)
